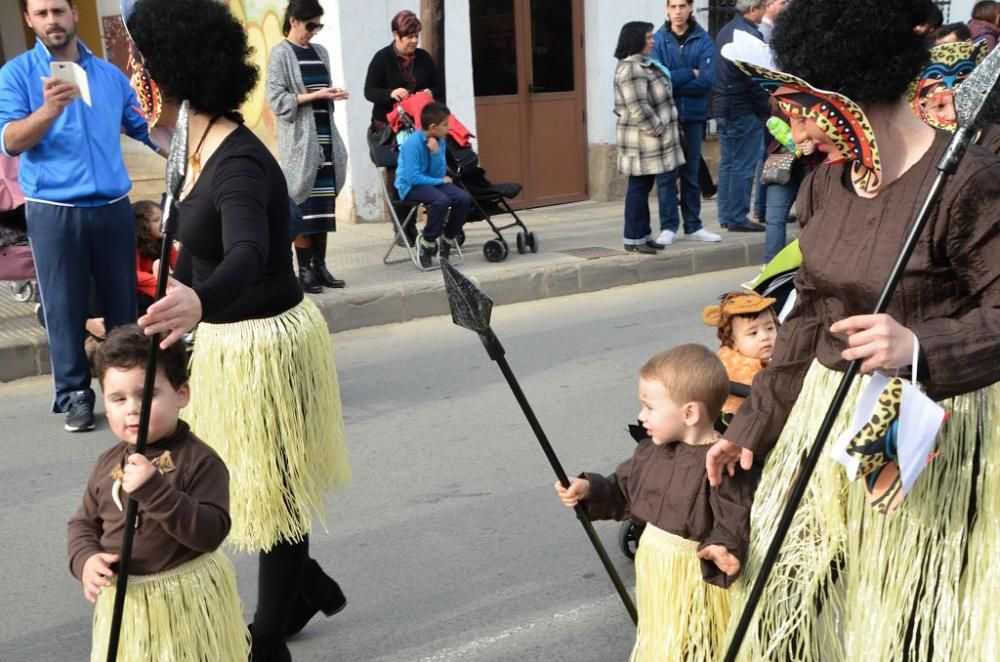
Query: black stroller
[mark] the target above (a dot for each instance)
(489, 199)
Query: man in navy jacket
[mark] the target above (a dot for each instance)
(687, 51)
(740, 108)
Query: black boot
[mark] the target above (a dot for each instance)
(307, 279)
(324, 277)
(268, 648)
(317, 592)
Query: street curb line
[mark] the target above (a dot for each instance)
(345, 311)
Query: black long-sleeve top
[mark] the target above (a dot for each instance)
(233, 229)
(385, 75)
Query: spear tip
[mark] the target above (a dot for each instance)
(470, 306)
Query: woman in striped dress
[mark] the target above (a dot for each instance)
(300, 92)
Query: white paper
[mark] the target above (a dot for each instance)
(920, 420)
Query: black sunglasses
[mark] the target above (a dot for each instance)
(314, 27)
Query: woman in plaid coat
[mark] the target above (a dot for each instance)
(648, 135)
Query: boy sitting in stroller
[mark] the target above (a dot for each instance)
(421, 176)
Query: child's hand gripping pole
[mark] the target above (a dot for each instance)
(470, 309)
(176, 171)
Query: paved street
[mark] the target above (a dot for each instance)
(450, 544)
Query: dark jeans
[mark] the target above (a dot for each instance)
(439, 199)
(637, 209)
(780, 199)
(73, 246)
(666, 184)
(741, 142)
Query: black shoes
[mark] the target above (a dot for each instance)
(425, 251)
(444, 248)
(317, 592)
(749, 226)
(268, 648)
(656, 246)
(308, 280)
(645, 249)
(80, 417)
(324, 277)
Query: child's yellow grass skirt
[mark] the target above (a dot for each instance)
(265, 397)
(191, 613)
(680, 616)
(853, 584)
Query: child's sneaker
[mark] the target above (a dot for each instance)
(446, 245)
(426, 250)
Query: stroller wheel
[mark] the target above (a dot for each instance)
(529, 239)
(460, 237)
(495, 250)
(521, 243)
(21, 290)
(628, 538)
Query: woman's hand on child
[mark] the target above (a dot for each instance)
(399, 93)
(722, 558)
(433, 145)
(138, 469)
(882, 342)
(97, 574)
(577, 491)
(724, 455)
(175, 314)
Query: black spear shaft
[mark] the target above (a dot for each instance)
(976, 105)
(176, 169)
(470, 309)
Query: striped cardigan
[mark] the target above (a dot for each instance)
(648, 134)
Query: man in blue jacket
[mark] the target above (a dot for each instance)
(686, 50)
(740, 108)
(74, 181)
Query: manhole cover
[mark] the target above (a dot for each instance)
(592, 252)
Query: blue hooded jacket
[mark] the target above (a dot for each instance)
(691, 93)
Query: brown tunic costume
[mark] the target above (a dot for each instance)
(667, 486)
(183, 513)
(949, 295)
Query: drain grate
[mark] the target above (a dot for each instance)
(592, 252)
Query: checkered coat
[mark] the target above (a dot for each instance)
(649, 139)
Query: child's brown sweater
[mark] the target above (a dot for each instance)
(183, 512)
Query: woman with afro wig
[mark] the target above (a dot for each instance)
(912, 581)
(263, 375)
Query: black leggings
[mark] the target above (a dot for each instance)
(279, 577)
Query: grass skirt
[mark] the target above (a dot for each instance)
(680, 616)
(265, 397)
(187, 614)
(853, 584)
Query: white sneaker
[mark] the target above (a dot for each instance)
(703, 235)
(666, 237)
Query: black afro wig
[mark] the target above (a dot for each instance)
(866, 50)
(195, 50)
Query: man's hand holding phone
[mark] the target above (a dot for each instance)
(58, 94)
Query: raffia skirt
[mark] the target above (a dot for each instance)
(266, 398)
(850, 583)
(191, 613)
(680, 616)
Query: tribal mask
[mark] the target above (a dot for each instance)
(842, 120)
(148, 93)
(933, 91)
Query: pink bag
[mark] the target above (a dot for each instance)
(16, 263)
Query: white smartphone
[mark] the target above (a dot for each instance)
(71, 72)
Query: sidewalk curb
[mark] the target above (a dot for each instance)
(347, 310)
(344, 311)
